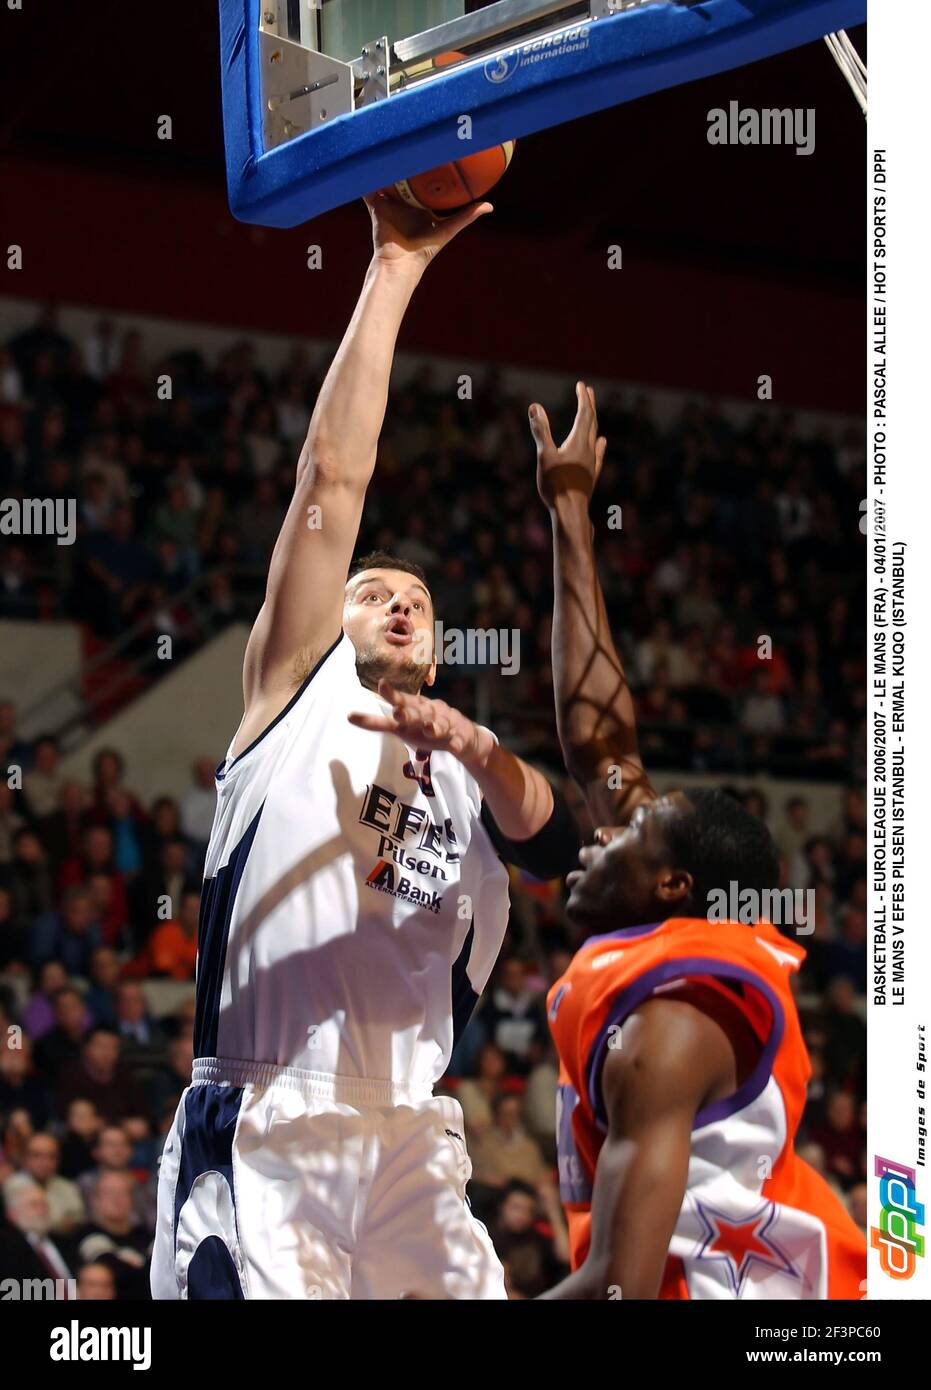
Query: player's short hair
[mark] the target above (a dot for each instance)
(718, 840)
(384, 560)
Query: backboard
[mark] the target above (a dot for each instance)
(326, 100)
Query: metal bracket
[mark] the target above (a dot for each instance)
(373, 70)
(301, 89)
(604, 9)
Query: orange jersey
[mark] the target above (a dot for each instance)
(756, 1220)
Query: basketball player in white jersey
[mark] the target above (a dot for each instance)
(354, 899)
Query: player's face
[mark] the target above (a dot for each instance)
(626, 878)
(388, 617)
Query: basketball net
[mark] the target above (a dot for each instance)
(850, 63)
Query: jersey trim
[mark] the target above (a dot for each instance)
(224, 769)
(635, 994)
(621, 934)
(216, 915)
(463, 995)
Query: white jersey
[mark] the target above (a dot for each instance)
(353, 904)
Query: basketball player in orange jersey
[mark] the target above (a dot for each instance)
(683, 1067)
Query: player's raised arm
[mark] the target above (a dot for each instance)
(672, 1058)
(301, 615)
(594, 708)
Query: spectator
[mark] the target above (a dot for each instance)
(96, 1282)
(858, 1204)
(14, 937)
(846, 957)
(96, 861)
(530, 1260)
(39, 1013)
(63, 830)
(845, 1044)
(27, 1251)
(113, 1154)
(109, 769)
(30, 878)
(21, 1086)
(105, 976)
(40, 1167)
(505, 1150)
(199, 804)
(477, 1095)
(82, 1126)
(124, 828)
(513, 1017)
(841, 1140)
(143, 1041)
(114, 1237)
(42, 786)
(11, 823)
(70, 936)
(61, 1045)
(99, 1076)
(171, 950)
(167, 1083)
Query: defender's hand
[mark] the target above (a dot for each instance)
(406, 237)
(428, 724)
(574, 465)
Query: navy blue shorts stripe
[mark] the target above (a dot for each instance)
(211, 1114)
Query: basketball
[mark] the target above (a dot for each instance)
(449, 187)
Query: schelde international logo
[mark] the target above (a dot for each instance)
(504, 65)
(896, 1237)
(499, 69)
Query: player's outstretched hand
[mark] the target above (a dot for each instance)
(574, 465)
(431, 725)
(405, 236)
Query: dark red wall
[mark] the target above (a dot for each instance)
(141, 242)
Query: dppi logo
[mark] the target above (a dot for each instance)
(896, 1236)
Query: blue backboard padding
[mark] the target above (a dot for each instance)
(623, 57)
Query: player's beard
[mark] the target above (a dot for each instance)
(407, 674)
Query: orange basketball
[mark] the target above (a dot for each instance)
(453, 186)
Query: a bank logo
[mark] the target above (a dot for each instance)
(385, 879)
(896, 1237)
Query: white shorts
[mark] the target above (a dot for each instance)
(277, 1183)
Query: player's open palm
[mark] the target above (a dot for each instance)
(430, 725)
(407, 235)
(574, 465)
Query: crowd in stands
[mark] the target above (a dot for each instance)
(729, 534)
(731, 553)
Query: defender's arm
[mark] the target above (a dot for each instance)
(594, 707)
